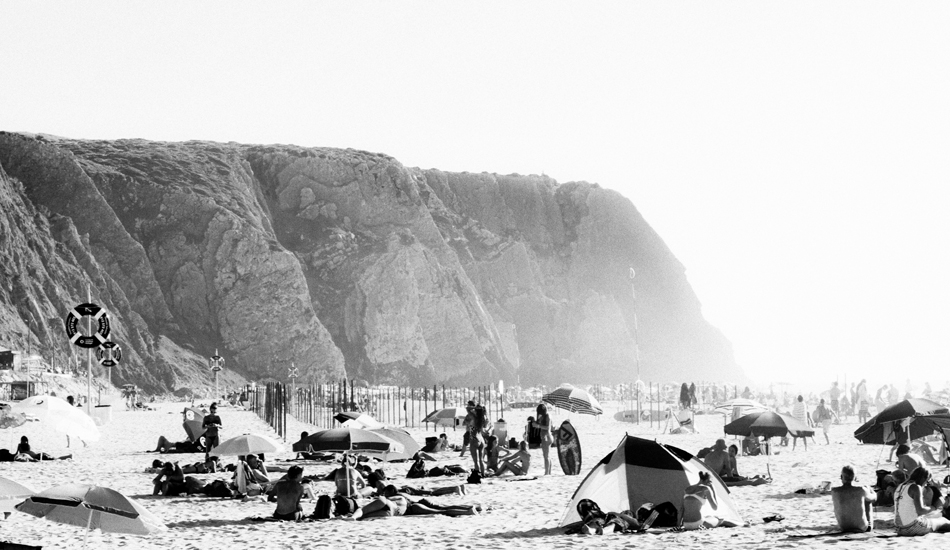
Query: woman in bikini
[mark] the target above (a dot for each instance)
(476, 430)
(911, 516)
(544, 423)
(695, 500)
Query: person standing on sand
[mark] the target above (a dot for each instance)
(211, 425)
(852, 504)
(835, 394)
(544, 423)
(72, 402)
(864, 401)
(824, 416)
(801, 414)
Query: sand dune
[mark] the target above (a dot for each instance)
(517, 514)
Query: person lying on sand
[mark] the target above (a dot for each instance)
(288, 491)
(852, 504)
(695, 498)
(25, 454)
(165, 445)
(911, 516)
(170, 481)
(395, 504)
(518, 463)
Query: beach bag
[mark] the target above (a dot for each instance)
(455, 470)
(667, 515)
(344, 506)
(324, 507)
(512, 443)
(7, 456)
(431, 444)
(418, 469)
(474, 477)
(219, 488)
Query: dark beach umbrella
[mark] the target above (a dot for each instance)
(192, 419)
(768, 424)
(881, 428)
(920, 426)
(350, 440)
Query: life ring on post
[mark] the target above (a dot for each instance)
(99, 316)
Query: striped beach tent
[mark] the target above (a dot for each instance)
(639, 471)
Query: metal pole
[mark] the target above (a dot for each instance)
(89, 358)
(636, 325)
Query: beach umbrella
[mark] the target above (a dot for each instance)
(447, 417)
(247, 444)
(12, 493)
(744, 406)
(409, 445)
(192, 420)
(10, 419)
(768, 424)
(357, 419)
(884, 433)
(906, 409)
(573, 399)
(92, 507)
(60, 415)
(351, 440)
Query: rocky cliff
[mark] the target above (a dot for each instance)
(339, 262)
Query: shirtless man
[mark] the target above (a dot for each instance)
(517, 463)
(907, 461)
(718, 459)
(350, 482)
(289, 491)
(852, 504)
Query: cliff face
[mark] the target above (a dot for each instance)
(340, 262)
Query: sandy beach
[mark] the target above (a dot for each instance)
(515, 514)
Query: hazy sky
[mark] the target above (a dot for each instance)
(794, 156)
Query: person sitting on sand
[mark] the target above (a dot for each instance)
(852, 504)
(695, 498)
(25, 454)
(911, 516)
(517, 463)
(288, 492)
(170, 481)
(718, 459)
(907, 461)
(256, 471)
(349, 481)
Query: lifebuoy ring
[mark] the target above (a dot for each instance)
(109, 354)
(98, 315)
(217, 362)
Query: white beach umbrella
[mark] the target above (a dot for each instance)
(247, 444)
(59, 415)
(12, 493)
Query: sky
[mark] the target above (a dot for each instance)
(792, 155)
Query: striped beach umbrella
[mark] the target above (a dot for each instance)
(573, 399)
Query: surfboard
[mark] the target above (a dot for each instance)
(568, 448)
(631, 415)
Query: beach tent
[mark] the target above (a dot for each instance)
(640, 471)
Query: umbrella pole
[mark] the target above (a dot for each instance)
(85, 538)
(346, 467)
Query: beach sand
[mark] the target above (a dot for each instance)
(516, 514)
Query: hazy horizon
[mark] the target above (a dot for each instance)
(790, 155)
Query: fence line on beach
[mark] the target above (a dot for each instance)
(403, 406)
(407, 406)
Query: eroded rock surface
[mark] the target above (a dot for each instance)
(341, 262)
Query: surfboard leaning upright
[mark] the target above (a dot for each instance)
(568, 449)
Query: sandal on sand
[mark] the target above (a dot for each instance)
(775, 517)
